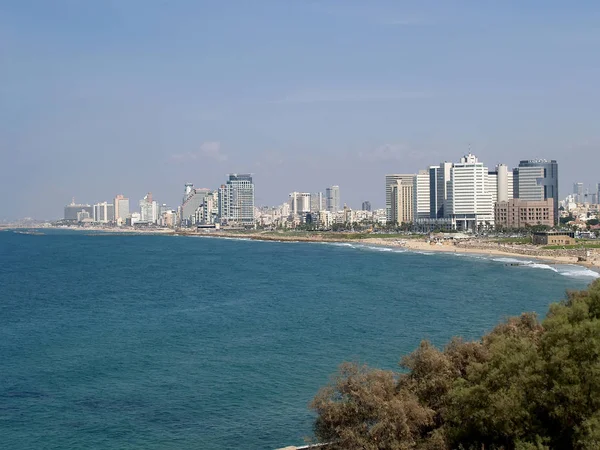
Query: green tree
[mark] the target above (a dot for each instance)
(524, 386)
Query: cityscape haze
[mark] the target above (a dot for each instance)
(89, 112)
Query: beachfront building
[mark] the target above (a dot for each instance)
(392, 180)
(469, 202)
(121, 205)
(517, 213)
(148, 209)
(192, 199)
(104, 212)
(421, 195)
(73, 209)
(402, 201)
(537, 180)
(236, 201)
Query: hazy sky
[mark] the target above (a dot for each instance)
(129, 96)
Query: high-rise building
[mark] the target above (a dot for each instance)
(578, 192)
(402, 201)
(317, 202)
(236, 200)
(72, 209)
(537, 180)
(366, 206)
(469, 203)
(121, 205)
(300, 203)
(332, 195)
(390, 180)
(192, 199)
(598, 193)
(421, 195)
(439, 180)
(500, 184)
(148, 209)
(104, 212)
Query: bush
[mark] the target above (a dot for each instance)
(526, 385)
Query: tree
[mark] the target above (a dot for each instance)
(525, 386)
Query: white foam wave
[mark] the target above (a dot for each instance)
(542, 266)
(577, 271)
(512, 260)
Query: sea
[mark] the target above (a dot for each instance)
(112, 341)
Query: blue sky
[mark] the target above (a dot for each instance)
(129, 96)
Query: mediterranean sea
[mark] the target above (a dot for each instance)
(164, 342)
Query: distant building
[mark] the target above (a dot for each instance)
(236, 200)
(317, 202)
(148, 209)
(300, 203)
(402, 201)
(332, 195)
(421, 196)
(500, 184)
(193, 198)
(554, 238)
(537, 180)
(104, 212)
(391, 180)
(517, 213)
(578, 192)
(121, 208)
(73, 209)
(366, 206)
(469, 203)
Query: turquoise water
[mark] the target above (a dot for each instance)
(151, 342)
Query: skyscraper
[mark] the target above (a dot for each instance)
(300, 203)
(332, 195)
(402, 201)
(121, 205)
(104, 212)
(390, 180)
(578, 192)
(537, 180)
(236, 200)
(598, 193)
(192, 199)
(469, 202)
(421, 197)
(72, 210)
(317, 202)
(148, 209)
(366, 206)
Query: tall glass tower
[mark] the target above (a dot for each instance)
(537, 179)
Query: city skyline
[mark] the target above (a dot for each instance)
(303, 95)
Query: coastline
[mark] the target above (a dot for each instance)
(416, 245)
(419, 244)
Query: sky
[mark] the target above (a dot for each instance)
(104, 97)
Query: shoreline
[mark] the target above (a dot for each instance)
(411, 244)
(487, 248)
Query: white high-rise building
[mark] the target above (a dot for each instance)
(300, 203)
(332, 195)
(104, 212)
(421, 196)
(148, 209)
(121, 205)
(469, 198)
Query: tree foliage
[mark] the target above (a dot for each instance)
(527, 385)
